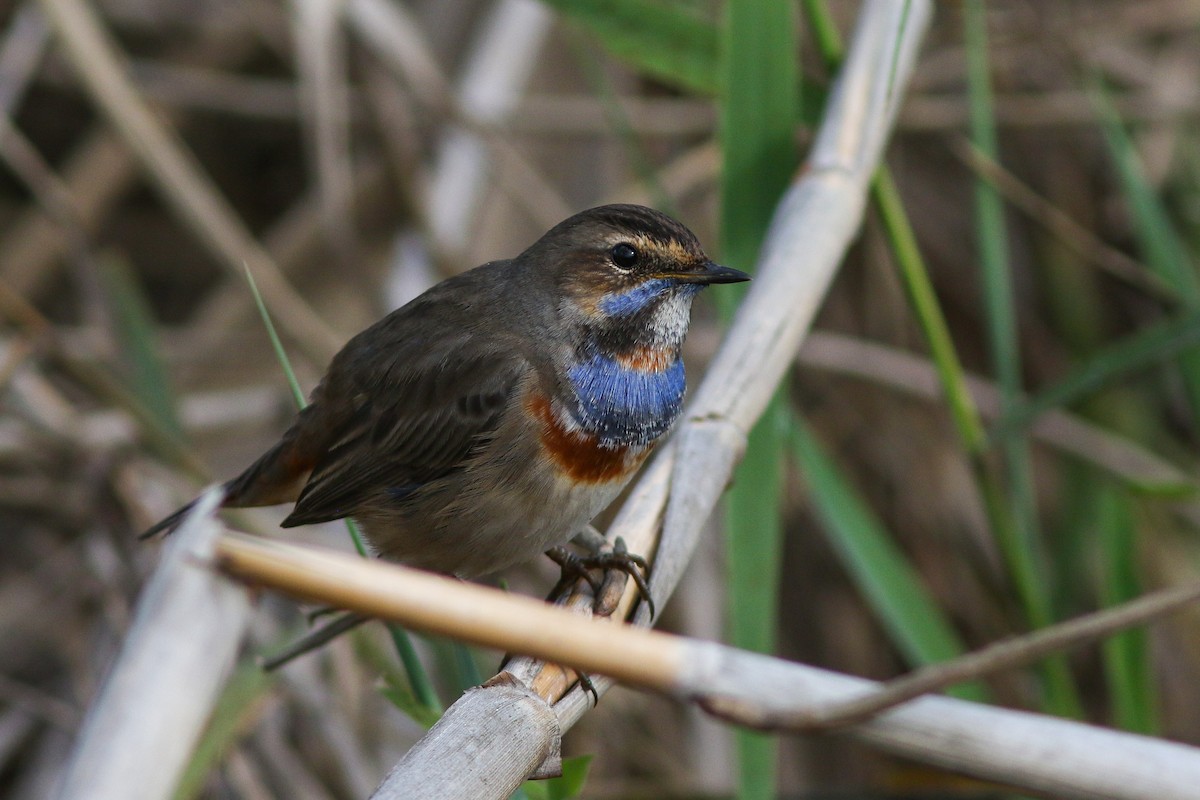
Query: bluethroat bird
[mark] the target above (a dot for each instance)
(491, 418)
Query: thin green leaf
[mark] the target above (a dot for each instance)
(1161, 246)
(280, 354)
(297, 393)
(235, 712)
(417, 676)
(759, 80)
(1014, 517)
(1127, 666)
(913, 271)
(923, 299)
(670, 41)
(456, 659)
(403, 699)
(890, 585)
(1164, 491)
(1149, 346)
(147, 377)
(397, 686)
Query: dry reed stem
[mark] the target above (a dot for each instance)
(322, 65)
(745, 688)
(502, 57)
(435, 603)
(1069, 433)
(139, 733)
(815, 222)
(178, 176)
(98, 173)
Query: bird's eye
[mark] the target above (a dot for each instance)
(623, 255)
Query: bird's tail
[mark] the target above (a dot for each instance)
(274, 478)
(168, 524)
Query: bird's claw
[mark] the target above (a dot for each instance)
(585, 683)
(619, 559)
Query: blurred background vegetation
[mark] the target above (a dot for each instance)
(992, 428)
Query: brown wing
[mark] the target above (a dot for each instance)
(410, 425)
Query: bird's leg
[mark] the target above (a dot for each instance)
(611, 558)
(616, 562)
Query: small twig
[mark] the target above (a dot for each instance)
(22, 50)
(999, 656)
(321, 65)
(1041, 211)
(174, 169)
(915, 375)
(1023, 749)
(318, 638)
(518, 624)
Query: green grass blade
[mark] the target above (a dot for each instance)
(758, 109)
(890, 585)
(758, 112)
(397, 685)
(670, 41)
(1161, 246)
(913, 272)
(754, 536)
(1018, 534)
(1152, 345)
(280, 354)
(1127, 666)
(466, 668)
(621, 126)
(134, 322)
(294, 385)
(418, 678)
(236, 710)
(919, 288)
(456, 660)
(991, 233)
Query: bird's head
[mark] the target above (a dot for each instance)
(625, 263)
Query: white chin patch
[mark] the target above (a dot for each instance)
(670, 322)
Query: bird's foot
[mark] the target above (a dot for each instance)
(611, 563)
(585, 683)
(614, 563)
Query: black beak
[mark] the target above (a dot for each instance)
(711, 273)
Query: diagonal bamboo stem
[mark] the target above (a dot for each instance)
(814, 224)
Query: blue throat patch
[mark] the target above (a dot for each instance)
(634, 300)
(626, 407)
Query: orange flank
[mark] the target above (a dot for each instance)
(647, 359)
(277, 477)
(576, 453)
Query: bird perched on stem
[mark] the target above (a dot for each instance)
(491, 418)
